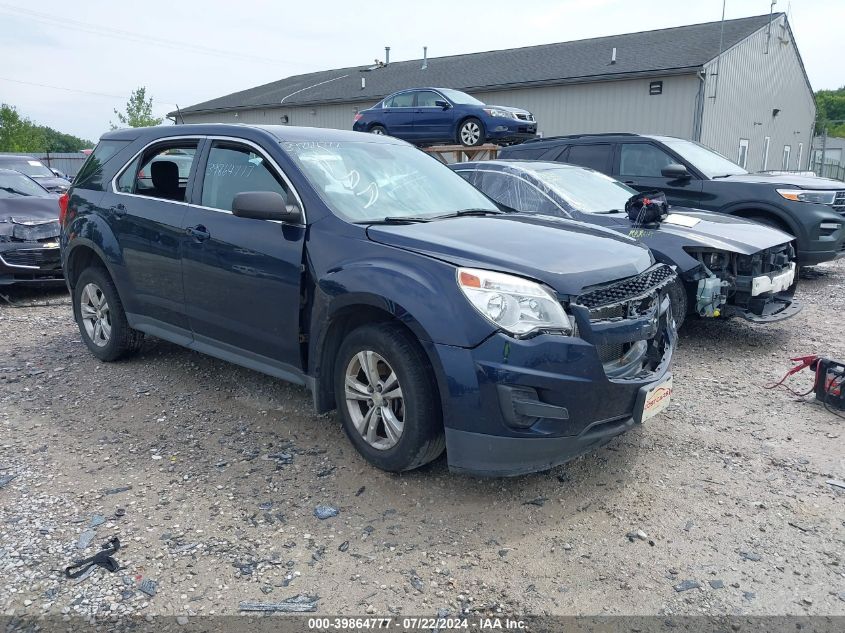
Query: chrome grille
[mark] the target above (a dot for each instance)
(839, 202)
(524, 117)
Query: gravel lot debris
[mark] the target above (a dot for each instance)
(210, 474)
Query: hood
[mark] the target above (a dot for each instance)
(53, 183)
(788, 180)
(563, 254)
(29, 218)
(690, 227)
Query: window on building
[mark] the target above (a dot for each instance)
(800, 155)
(784, 163)
(233, 169)
(765, 162)
(643, 159)
(742, 158)
(593, 156)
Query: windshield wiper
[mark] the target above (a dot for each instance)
(465, 212)
(396, 219)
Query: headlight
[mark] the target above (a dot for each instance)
(512, 303)
(804, 195)
(501, 114)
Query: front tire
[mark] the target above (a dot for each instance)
(387, 398)
(100, 316)
(471, 133)
(378, 130)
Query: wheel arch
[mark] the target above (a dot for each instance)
(345, 317)
(751, 210)
(82, 253)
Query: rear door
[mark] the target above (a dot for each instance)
(399, 115)
(146, 212)
(598, 156)
(640, 165)
(431, 121)
(242, 276)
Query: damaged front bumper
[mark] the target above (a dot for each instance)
(30, 254)
(514, 406)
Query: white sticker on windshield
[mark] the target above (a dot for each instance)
(35, 163)
(681, 220)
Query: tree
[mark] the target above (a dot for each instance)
(19, 134)
(830, 106)
(139, 111)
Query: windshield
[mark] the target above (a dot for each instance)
(584, 189)
(31, 167)
(708, 162)
(368, 182)
(462, 98)
(13, 185)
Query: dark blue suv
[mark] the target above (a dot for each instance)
(441, 115)
(377, 278)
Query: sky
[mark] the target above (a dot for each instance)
(87, 56)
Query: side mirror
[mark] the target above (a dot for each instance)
(443, 104)
(676, 171)
(265, 205)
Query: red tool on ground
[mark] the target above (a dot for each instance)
(828, 383)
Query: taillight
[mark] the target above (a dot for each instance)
(63, 202)
(357, 117)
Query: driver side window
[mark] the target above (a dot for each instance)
(643, 159)
(234, 169)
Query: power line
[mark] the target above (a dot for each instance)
(85, 92)
(107, 31)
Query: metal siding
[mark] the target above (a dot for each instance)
(609, 106)
(751, 85)
(339, 116)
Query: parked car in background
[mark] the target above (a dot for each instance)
(29, 231)
(370, 273)
(692, 175)
(36, 170)
(726, 266)
(442, 115)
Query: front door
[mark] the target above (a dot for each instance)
(242, 276)
(146, 214)
(640, 166)
(432, 122)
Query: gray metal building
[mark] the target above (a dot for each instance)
(738, 86)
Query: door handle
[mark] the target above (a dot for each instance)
(199, 232)
(629, 182)
(119, 209)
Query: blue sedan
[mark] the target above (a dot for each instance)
(442, 115)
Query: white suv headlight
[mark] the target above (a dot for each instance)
(516, 305)
(808, 195)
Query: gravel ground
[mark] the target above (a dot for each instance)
(210, 475)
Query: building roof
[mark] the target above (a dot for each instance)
(664, 51)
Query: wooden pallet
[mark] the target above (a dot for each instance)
(460, 153)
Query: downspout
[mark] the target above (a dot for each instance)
(698, 115)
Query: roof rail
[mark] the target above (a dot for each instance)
(568, 136)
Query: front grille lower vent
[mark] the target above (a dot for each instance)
(655, 277)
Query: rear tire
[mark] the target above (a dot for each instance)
(678, 297)
(100, 316)
(378, 130)
(471, 133)
(387, 398)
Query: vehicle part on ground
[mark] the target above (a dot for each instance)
(828, 381)
(103, 559)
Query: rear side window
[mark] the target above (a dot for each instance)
(162, 171)
(526, 152)
(234, 169)
(593, 156)
(91, 172)
(643, 159)
(404, 100)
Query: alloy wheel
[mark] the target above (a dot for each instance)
(378, 131)
(470, 133)
(96, 315)
(374, 400)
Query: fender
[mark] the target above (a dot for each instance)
(93, 231)
(796, 229)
